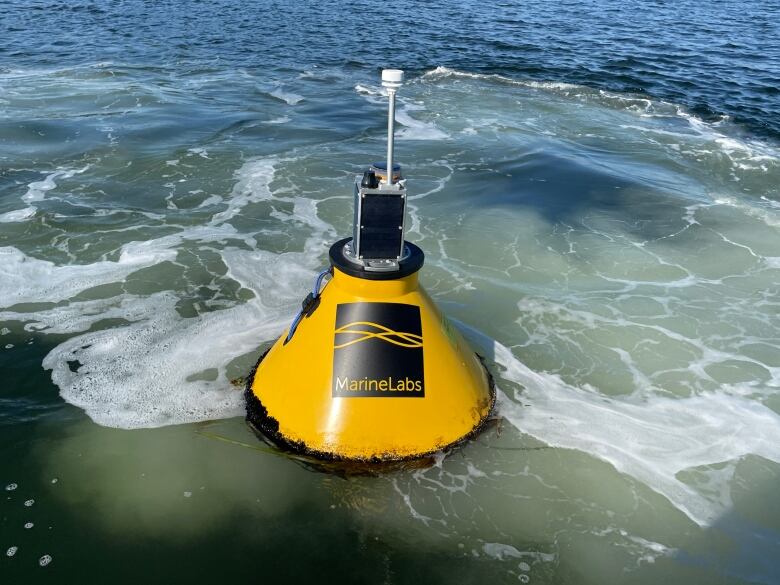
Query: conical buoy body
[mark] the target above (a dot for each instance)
(374, 373)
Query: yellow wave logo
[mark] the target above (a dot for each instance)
(365, 330)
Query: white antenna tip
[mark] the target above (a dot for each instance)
(392, 78)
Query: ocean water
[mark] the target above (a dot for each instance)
(596, 186)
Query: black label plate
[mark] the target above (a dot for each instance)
(378, 351)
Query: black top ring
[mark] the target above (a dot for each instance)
(407, 266)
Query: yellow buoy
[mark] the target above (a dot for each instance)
(370, 370)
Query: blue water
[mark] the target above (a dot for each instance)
(717, 59)
(596, 187)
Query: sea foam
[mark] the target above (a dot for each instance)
(649, 437)
(162, 368)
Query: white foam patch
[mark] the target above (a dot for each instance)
(29, 280)
(200, 151)
(702, 137)
(500, 551)
(212, 200)
(36, 191)
(164, 369)
(443, 72)
(288, 97)
(17, 215)
(374, 91)
(142, 375)
(279, 120)
(769, 216)
(649, 437)
(77, 317)
(24, 279)
(416, 129)
(252, 187)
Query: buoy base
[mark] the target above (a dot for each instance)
(267, 429)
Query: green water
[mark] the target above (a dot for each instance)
(615, 258)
